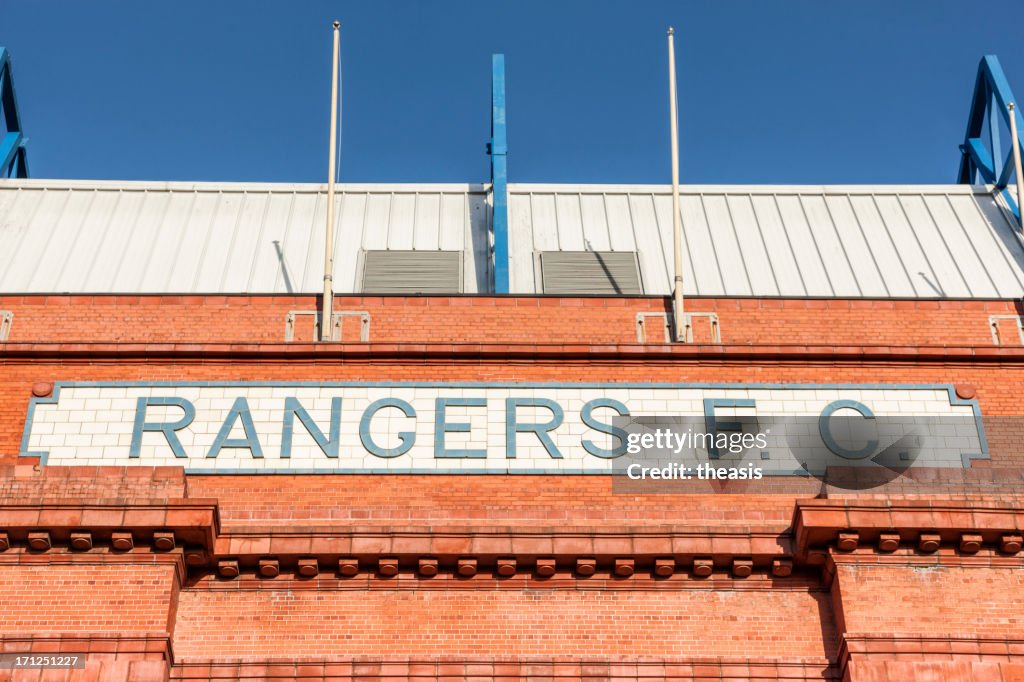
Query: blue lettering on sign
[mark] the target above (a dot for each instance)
(166, 428)
(597, 414)
(407, 438)
(826, 431)
(251, 442)
(712, 424)
(443, 426)
(513, 427)
(587, 415)
(292, 409)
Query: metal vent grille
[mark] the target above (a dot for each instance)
(590, 272)
(412, 272)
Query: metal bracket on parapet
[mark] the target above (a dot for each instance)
(13, 161)
(6, 320)
(649, 324)
(992, 94)
(993, 323)
(336, 324)
(653, 324)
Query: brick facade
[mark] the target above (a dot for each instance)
(160, 575)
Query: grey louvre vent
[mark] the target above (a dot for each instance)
(412, 272)
(590, 272)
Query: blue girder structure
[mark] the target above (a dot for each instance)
(992, 94)
(498, 149)
(13, 161)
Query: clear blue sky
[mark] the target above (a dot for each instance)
(771, 91)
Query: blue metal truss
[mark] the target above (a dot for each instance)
(13, 161)
(498, 149)
(992, 94)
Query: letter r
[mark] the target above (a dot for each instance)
(166, 428)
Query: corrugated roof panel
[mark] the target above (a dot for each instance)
(854, 249)
(809, 257)
(87, 241)
(130, 237)
(46, 260)
(217, 242)
(595, 223)
(378, 222)
(778, 246)
(892, 276)
(665, 252)
(455, 220)
(301, 236)
(427, 221)
(825, 235)
(733, 268)
(946, 279)
(1003, 261)
(403, 215)
(621, 236)
(960, 249)
(545, 222)
(570, 223)
(351, 222)
(520, 242)
(262, 264)
(195, 235)
(1007, 238)
(477, 235)
(752, 247)
(650, 243)
(908, 247)
(241, 250)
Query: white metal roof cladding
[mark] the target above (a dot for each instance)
(132, 237)
(845, 241)
(854, 241)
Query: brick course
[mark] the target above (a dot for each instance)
(864, 614)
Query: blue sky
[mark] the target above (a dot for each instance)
(771, 91)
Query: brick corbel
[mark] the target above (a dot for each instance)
(117, 527)
(821, 526)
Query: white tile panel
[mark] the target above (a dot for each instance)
(80, 428)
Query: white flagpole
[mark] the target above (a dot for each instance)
(678, 313)
(327, 314)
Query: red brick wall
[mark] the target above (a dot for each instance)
(69, 598)
(933, 600)
(773, 622)
(526, 319)
(578, 623)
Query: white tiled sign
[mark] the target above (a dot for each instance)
(412, 428)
